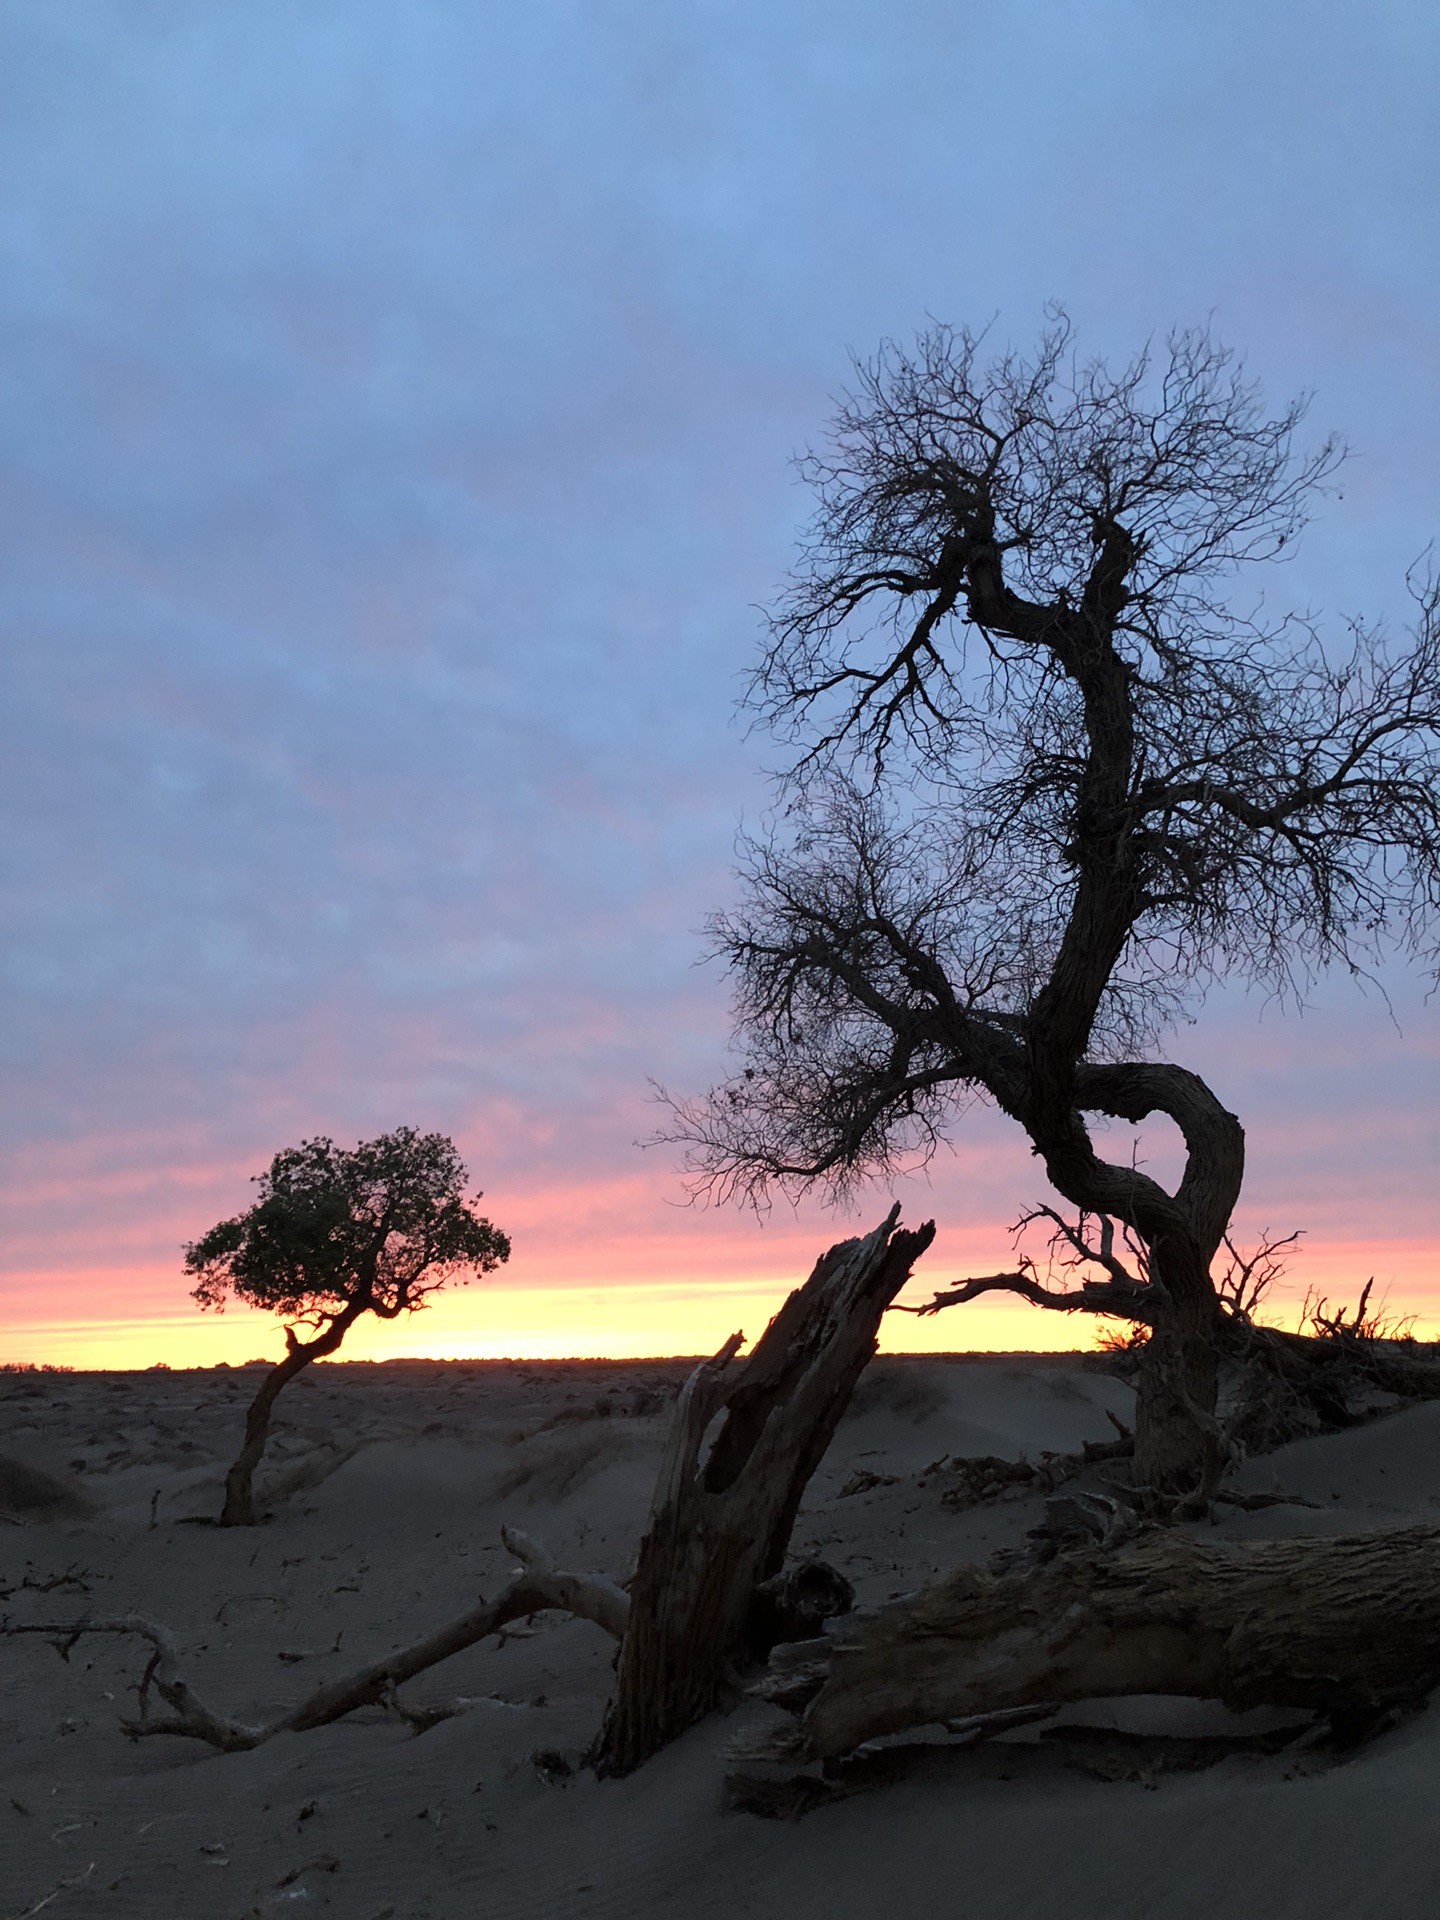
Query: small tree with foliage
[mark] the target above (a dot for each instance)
(335, 1235)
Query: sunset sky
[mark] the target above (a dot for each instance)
(397, 404)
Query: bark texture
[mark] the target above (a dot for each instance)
(1347, 1626)
(721, 1517)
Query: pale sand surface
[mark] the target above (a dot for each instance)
(363, 1819)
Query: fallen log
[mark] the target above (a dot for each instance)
(1345, 1626)
(722, 1514)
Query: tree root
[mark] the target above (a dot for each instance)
(537, 1586)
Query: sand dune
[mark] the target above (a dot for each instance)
(399, 1479)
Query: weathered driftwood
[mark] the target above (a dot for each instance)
(1344, 1626)
(721, 1516)
(539, 1584)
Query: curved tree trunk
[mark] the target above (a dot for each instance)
(239, 1507)
(1177, 1440)
(721, 1518)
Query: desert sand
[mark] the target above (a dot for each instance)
(399, 1479)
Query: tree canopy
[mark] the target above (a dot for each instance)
(376, 1228)
(1050, 774)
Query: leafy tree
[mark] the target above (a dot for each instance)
(1050, 777)
(335, 1235)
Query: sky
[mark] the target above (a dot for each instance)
(398, 404)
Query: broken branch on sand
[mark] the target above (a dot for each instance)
(538, 1585)
(1107, 1604)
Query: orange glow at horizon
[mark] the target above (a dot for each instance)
(551, 1316)
(606, 1264)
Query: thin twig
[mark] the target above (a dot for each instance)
(74, 1880)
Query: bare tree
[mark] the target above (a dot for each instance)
(1050, 777)
(336, 1234)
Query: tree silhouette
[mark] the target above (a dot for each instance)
(1049, 778)
(334, 1235)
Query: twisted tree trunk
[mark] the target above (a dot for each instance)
(721, 1517)
(239, 1507)
(1177, 1439)
(1178, 1444)
(1175, 1432)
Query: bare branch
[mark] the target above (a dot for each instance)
(1246, 1281)
(1095, 1296)
(537, 1586)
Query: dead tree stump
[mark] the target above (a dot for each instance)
(721, 1518)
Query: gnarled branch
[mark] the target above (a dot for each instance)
(538, 1585)
(1095, 1296)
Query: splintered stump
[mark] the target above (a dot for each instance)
(721, 1516)
(1346, 1626)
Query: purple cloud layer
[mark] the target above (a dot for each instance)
(395, 409)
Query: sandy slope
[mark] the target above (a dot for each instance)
(364, 1820)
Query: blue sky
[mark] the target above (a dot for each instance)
(396, 410)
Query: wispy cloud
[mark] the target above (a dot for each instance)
(397, 404)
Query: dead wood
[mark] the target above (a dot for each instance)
(61, 1886)
(721, 1516)
(1346, 1627)
(538, 1585)
(795, 1605)
(1293, 1384)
